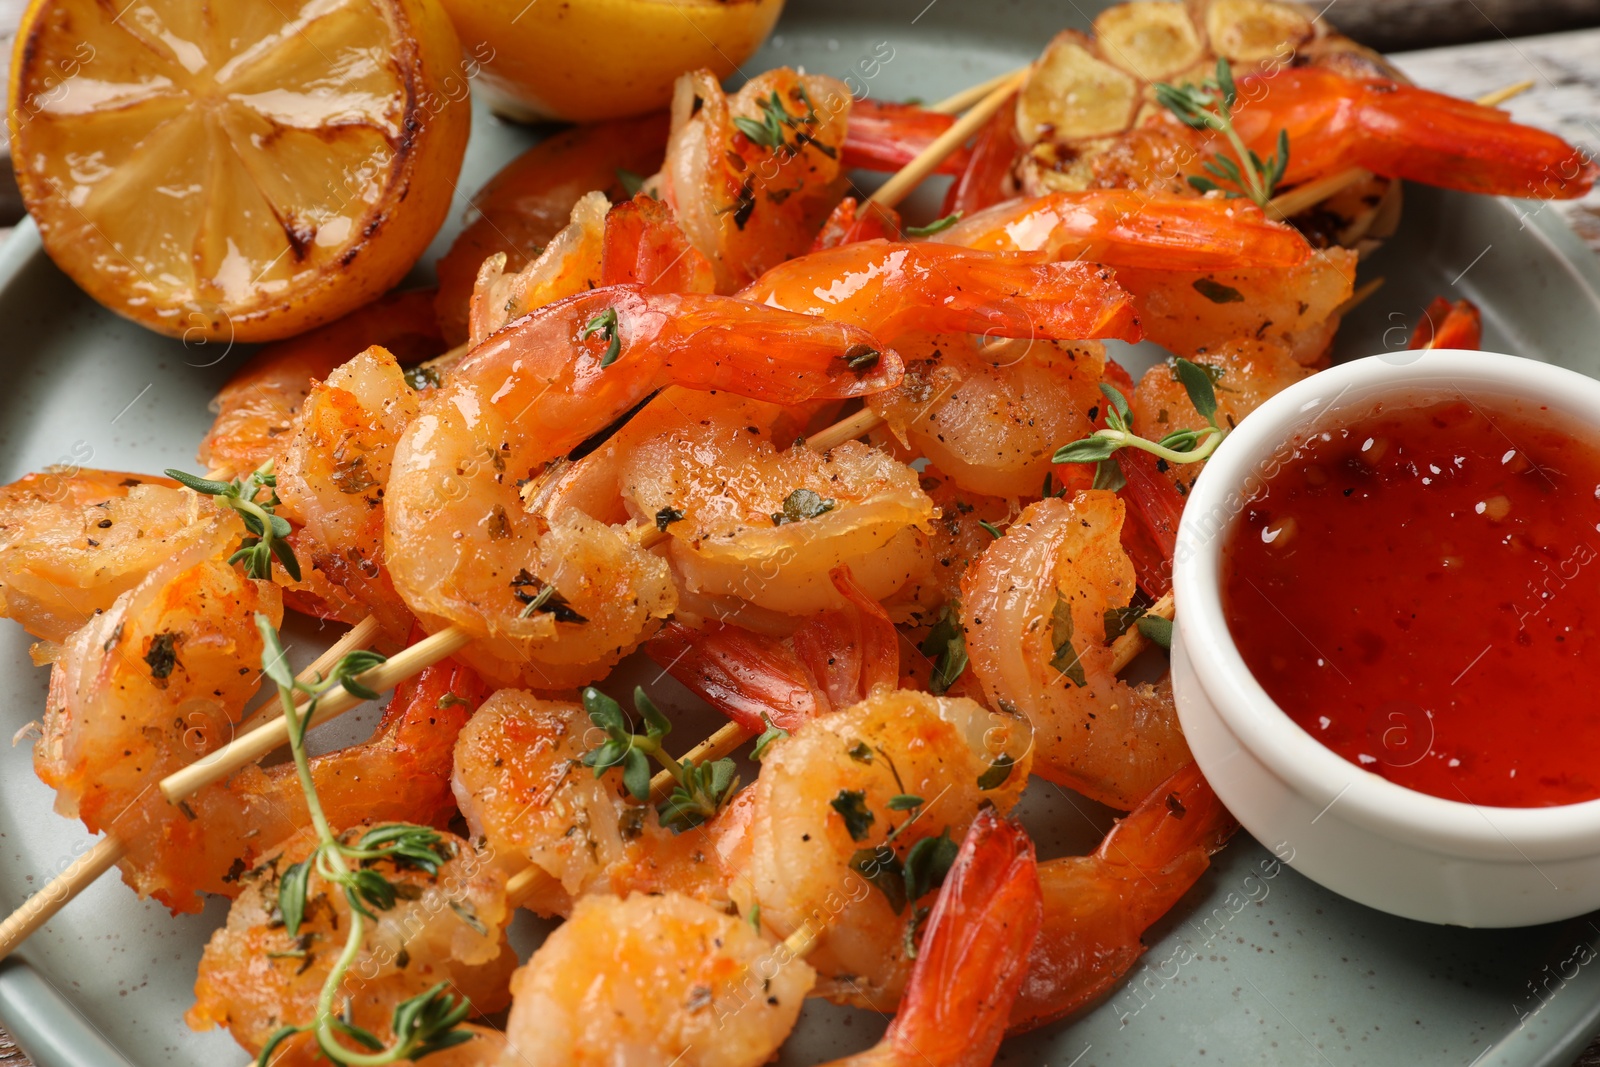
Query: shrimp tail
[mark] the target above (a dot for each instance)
(1098, 906)
(1135, 228)
(982, 182)
(742, 674)
(853, 650)
(832, 661)
(884, 135)
(973, 958)
(644, 244)
(1400, 131)
(1447, 325)
(851, 223)
(925, 285)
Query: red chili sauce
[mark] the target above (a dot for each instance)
(1418, 589)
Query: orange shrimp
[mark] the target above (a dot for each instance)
(885, 135)
(459, 545)
(974, 955)
(331, 472)
(852, 221)
(891, 288)
(636, 242)
(152, 684)
(521, 787)
(530, 199)
(1399, 131)
(750, 202)
(654, 980)
(1134, 228)
(1448, 325)
(401, 773)
(832, 660)
(72, 541)
(986, 179)
(259, 404)
(1036, 607)
(990, 414)
(254, 978)
(1096, 907)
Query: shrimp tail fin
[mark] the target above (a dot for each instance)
(832, 661)
(851, 650)
(974, 955)
(742, 674)
(1449, 325)
(1098, 906)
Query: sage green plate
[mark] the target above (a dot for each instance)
(1256, 966)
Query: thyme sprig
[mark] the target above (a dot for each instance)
(605, 324)
(424, 1024)
(267, 531)
(701, 788)
(1179, 446)
(1209, 106)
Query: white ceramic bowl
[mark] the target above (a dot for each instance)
(1361, 835)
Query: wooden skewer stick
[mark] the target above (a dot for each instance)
(1359, 296)
(927, 161)
(274, 733)
(959, 102)
(43, 905)
(1315, 192)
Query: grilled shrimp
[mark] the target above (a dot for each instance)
(748, 203)
(152, 684)
(750, 524)
(1096, 907)
(401, 773)
(839, 805)
(636, 242)
(654, 980)
(1297, 309)
(261, 402)
(1134, 228)
(460, 547)
(254, 978)
(974, 956)
(1035, 610)
(71, 542)
(331, 473)
(991, 415)
(529, 200)
(892, 288)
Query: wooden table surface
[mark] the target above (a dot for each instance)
(1565, 68)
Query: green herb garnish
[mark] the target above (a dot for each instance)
(266, 530)
(1179, 446)
(851, 804)
(772, 733)
(1157, 629)
(936, 226)
(702, 788)
(946, 645)
(424, 1024)
(800, 505)
(1067, 659)
(605, 324)
(1208, 106)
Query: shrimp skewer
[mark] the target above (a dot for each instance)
(49, 899)
(523, 400)
(669, 979)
